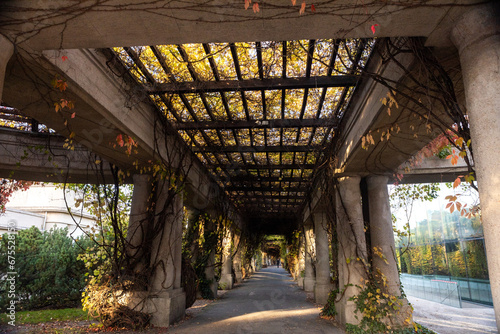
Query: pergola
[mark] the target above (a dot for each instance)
(259, 116)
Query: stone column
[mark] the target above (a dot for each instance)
(309, 278)
(210, 230)
(302, 261)
(139, 221)
(352, 246)
(238, 244)
(167, 298)
(477, 37)
(6, 51)
(382, 238)
(226, 279)
(323, 285)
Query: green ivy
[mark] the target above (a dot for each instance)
(329, 309)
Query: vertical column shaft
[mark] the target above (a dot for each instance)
(226, 279)
(309, 278)
(477, 37)
(302, 260)
(139, 221)
(6, 51)
(381, 232)
(323, 285)
(237, 263)
(352, 246)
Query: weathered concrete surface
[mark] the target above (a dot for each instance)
(177, 22)
(477, 37)
(323, 285)
(310, 256)
(269, 302)
(6, 51)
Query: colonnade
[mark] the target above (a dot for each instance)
(353, 264)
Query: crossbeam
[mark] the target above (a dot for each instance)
(252, 84)
(260, 167)
(257, 149)
(255, 124)
(267, 189)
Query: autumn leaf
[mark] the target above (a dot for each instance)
(457, 182)
(373, 27)
(73, 115)
(64, 58)
(302, 8)
(294, 2)
(256, 8)
(119, 140)
(313, 9)
(247, 4)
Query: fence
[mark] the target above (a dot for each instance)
(441, 291)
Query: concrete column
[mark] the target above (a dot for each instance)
(167, 298)
(238, 244)
(477, 37)
(210, 229)
(323, 285)
(6, 51)
(302, 261)
(352, 246)
(226, 279)
(309, 278)
(139, 221)
(382, 238)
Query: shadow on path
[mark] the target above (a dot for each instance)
(269, 302)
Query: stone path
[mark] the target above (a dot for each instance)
(269, 302)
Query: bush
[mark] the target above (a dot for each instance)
(48, 272)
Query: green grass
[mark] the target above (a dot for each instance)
(35, 317)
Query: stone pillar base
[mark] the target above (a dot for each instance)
(345, 312)
(309, 283)
(238, 277)
(165, 307)
(226, 282)
(300, 282)
(321, 292)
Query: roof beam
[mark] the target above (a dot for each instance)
(269, 189)
(247, 167)
(256, 124)
(257, 149)
(253, 84)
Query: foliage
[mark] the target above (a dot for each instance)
(8, 187)
(42, 316)
(329, 309)
(418, 329)
(48, 272)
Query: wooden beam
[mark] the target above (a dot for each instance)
(253, 84)
(269, 189)
(250, 167)
(256, 124)
(257, 149)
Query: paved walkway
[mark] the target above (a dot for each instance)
(269, 302)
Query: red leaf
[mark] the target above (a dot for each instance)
(73, 115)
(373, 27)
(247, 3)
(256, 8)
(313, 9)
(294, 2)
(64, 58)
(119, 140)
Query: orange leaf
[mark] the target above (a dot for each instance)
(294, 2)
(302, 8)
(452, 208)
(73, 115)
(247, 4)
(457, 182)
(256, 8)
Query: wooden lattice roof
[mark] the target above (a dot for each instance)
(258, 115)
